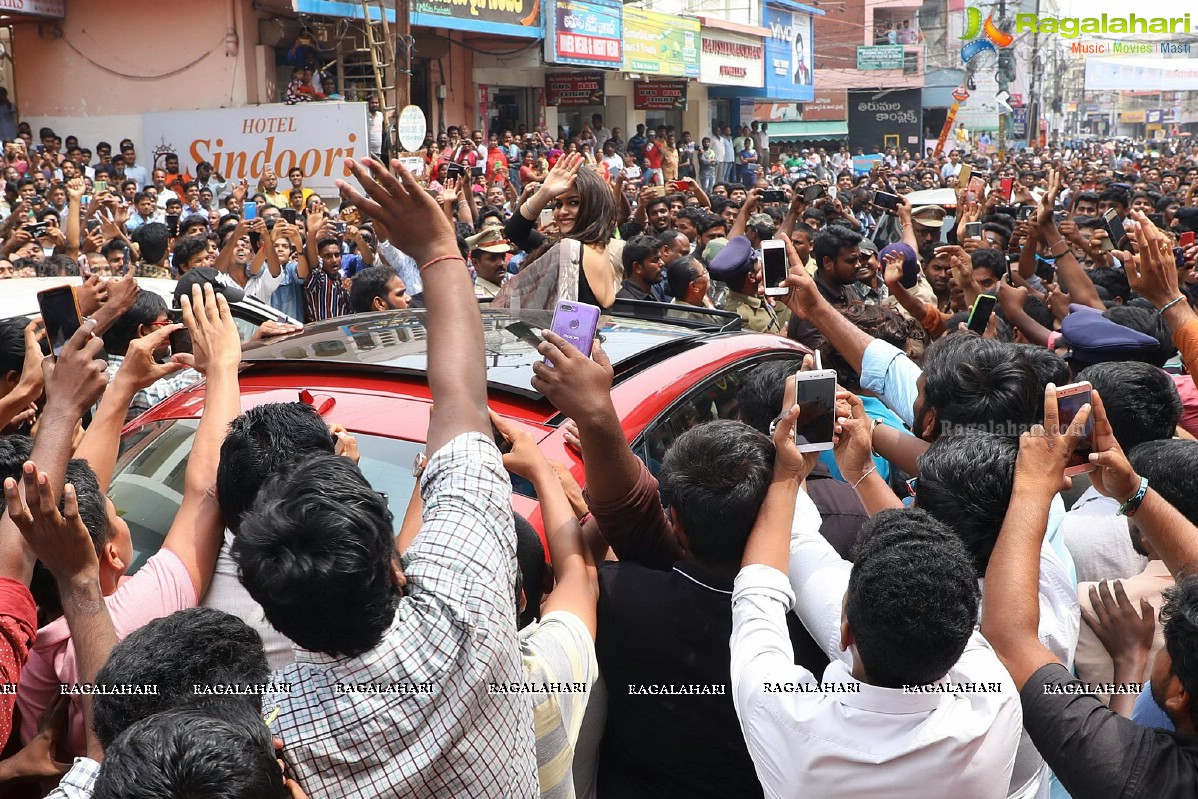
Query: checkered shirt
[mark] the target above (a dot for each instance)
(454, 629)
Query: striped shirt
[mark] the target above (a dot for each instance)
(324, 296)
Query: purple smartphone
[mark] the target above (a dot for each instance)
(576, 322)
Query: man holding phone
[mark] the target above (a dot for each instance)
(837, 254)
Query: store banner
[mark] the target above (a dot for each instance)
(883, 56)
(520, 18)
(884, 119)
(829, 105)
(574, 89)
(660, 44)
(241, 142)
(789, 73)
(731, 59)
(659, 95)
(338, 8)
(1122, 73)
(588, 33)
(53, 9)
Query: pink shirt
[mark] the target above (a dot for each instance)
(159, 588)
(1189, 402)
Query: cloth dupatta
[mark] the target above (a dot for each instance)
(550, 279)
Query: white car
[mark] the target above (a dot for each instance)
(18, 297)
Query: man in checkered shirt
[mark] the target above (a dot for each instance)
(393, 662)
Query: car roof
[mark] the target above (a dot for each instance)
(396, 342)
(18, 296)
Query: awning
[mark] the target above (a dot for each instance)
(794, 131)
(337, 8)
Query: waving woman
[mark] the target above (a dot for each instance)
(580, 261)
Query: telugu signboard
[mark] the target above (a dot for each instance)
(241, 142)
(660, 44)
(501, 17)
(829, 105)
(730, 59)
(584, 32)
(574, 89)
(883, 56)
(659, 95)
(876, 117)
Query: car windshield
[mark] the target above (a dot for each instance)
(147, 486)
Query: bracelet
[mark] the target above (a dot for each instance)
(1170, 304)
(873, 425)
(1132, 505)
(1062, 252)
(872, 469)
(441, 258)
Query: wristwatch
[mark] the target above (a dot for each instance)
(419, 464)
(1132, 505)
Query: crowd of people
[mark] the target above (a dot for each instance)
(930, 608)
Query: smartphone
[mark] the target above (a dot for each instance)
(339, 227)
(100, 186)
(1046, 270)
(546, 217)
(181, 339)
(576, 322)
(290, 215)
(38, 230)
(1114, 227)
(815, 394)
(813, 193)
(504, 445)
(977, 185)
(1186, 239)
(1006, 186)
(1024, 212)
(973, 230)
(1012, 269)
(885, 200)
(979, 315)
(964, 176)
(773, 196)
(657, 191)
(1070, 400)
(250, 210)
(773, 257)
(60, 312)
(172, 224)
(1157, 219)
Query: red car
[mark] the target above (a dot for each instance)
(367, 372)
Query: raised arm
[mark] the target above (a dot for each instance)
(746, 211)
(225, 259)
(1011, 606)
(853, 455)
(75, 189)
(197, 532)
(456, 373)
(1069, 272)
(1152, 274)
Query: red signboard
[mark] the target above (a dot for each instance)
(574, 89)
(659, 95)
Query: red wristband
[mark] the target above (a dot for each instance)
(441, 258)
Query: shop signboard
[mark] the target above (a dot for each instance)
(731, 59)
(587, 33)
(574, 89)
(659, 95)
(883, 56)
(660, 44)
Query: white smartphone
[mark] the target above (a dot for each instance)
(815, 394)
(1070, 400)
(773, 257)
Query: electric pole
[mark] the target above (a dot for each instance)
(403, 55)
(1003, 85)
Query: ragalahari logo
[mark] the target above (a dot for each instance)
(974, 27)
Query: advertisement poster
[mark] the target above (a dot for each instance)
(587, 33)
(660, 44)
(240, 142)
(789, 70)
(574, 89)
(873, 116)
(659, 95)
(503, 17)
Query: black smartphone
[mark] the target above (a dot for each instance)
(1156, 219)
(504, 445)
(290, 215)
(773, 196)
(1024, 212)
(886, 200)
(1046, 270)
(37, 230)
(1114, 227)
(813, 193)
(172, 224)
(979, 316)
(60, 312)
(181, 339)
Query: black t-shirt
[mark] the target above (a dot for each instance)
(1097, 753)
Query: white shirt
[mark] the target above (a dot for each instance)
(226, 593)
(1098, 539)
(601, 137)
(717, 144)
(950, 170)
(615, 164)
(262, 286)
(864, 741)
(729, 151)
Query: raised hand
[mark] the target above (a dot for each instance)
(406, 210)
(214, 339)
(59, 540)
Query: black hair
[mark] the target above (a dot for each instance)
(316, 551)
(680, 273)
(194, 222)
(1002, 331)
(1179, 616)
(830, 241)
(208, 749)
(667, 237)
(998, 229)
(93, 504)
(637, 249)
(709, 221)
(1171, 466)
(1150, 323)
(260, 443)
(530, 557)
(714, 477)
(186, 248)
(12, 344)
(152, 240)
(761, 391)
(146, 309)
(1085, 197)
(975, 382)
(1038, 311)
(912, 600)
(197, 646)
(965, 482)
(371, 282)
(1113, 280)
(1116, 196)
(1141, 401)
(992, 261)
